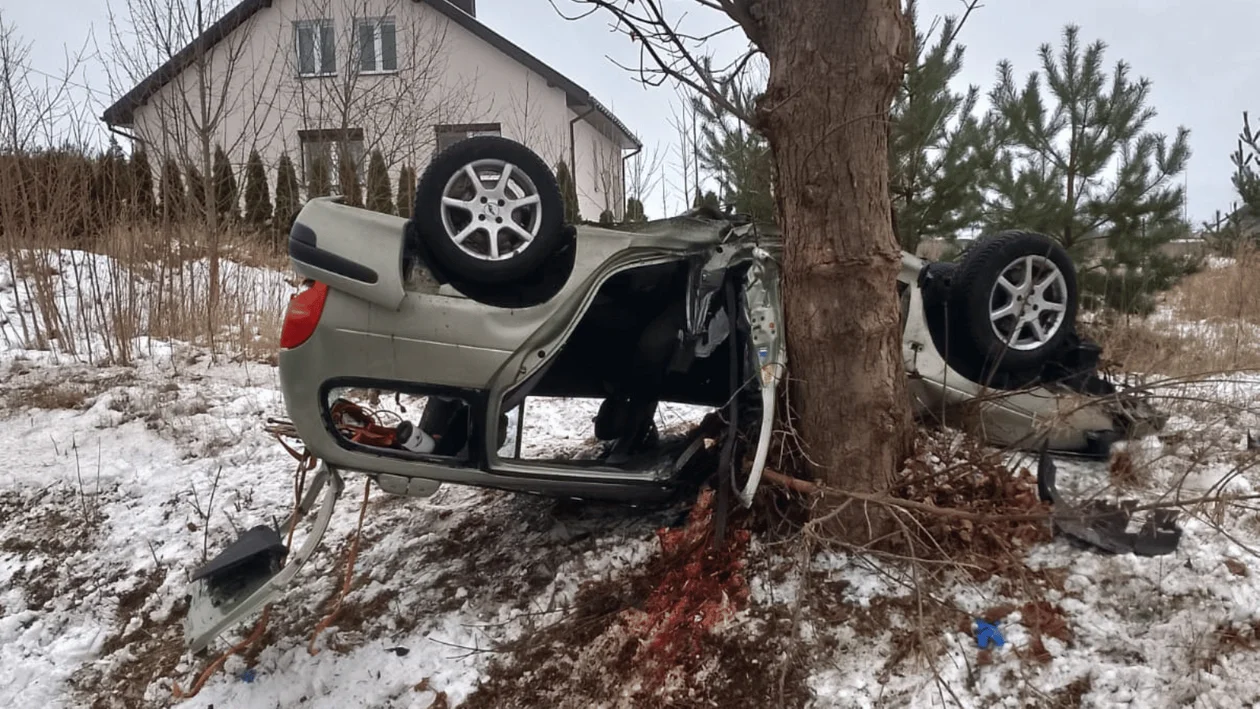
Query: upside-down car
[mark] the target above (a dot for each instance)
(485, 297)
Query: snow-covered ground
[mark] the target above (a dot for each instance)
(118, 481)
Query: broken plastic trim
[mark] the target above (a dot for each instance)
(765, 319)
(1103, 525)
(245, 576)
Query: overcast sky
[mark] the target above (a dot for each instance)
(1201, 55)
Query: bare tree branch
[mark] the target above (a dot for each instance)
(666, 52)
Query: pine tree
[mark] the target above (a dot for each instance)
(348, 179)
(196, 193)
(111, 182)
(1241, 224)
(319, 177)
(287, 198)
(607, 218)
(938, 150)
(226, 197)
(172, 191)
(257, 195)
(378, 197)
(737, 156)
(568, 190)
(406, 190)
(143, 200)
(1246, 160)
(634, 210)
(1087, 171)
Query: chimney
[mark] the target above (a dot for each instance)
(469, 6)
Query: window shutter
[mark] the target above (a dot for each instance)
(367, 47)
(389, 46)
(306, 50)
(327, 50)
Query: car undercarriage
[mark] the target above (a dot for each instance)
(484, 298)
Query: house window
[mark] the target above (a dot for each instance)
(316, 53)
(330, 145)
(448, 135)
(378, 45)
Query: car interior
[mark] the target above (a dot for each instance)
(627, 350)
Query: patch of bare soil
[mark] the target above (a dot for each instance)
(479, 549)
(74, 388)
(676, 633)
(1071, 696)
(1225, 639)
(137, 657)
(965, 515)
(54, 532)
(48, 529)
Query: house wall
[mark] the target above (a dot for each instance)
(597, 171)
(446, 75)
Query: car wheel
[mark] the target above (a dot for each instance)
(489, 210)
(1014, 299)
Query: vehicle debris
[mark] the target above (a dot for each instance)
(1103, 525)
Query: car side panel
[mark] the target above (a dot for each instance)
(436, 337)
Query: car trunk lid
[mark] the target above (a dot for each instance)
(355, 251)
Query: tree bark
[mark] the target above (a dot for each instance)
(834, 68)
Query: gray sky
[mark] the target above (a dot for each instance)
(1201, 56)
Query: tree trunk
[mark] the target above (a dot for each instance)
(834, 68)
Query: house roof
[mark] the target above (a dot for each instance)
(122, 112)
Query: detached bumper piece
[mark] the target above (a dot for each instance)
(1104, 525)
(250, 572)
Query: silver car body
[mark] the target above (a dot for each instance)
(406, 332)
(387, 323)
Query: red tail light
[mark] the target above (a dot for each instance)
(302, 315)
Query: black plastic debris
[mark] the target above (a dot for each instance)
(257, 552)
(1104, 525)
(399, 651)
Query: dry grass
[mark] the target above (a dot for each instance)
(168, 282)
(97, 272)
(1215, 325)
(1223, 294)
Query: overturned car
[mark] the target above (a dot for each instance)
(485, 297)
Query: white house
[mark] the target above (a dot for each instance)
(405, 77)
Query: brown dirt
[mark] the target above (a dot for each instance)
(153, 651)
(663, 636)
(1043, 619)
(75, 389)
(1071, 696)
(43, 527)
(1123, 472)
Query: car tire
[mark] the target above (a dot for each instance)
(990, 297)
(471, 227)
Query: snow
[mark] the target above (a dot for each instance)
(118, 479)
(94, 294)
(144, 477)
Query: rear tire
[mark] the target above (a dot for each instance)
(1013, 301)
(501, 227)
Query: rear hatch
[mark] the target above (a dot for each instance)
(356, 251)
